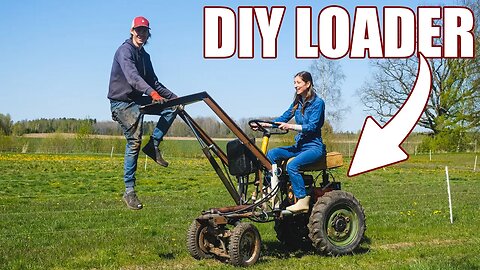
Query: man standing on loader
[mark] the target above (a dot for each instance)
(133, 83)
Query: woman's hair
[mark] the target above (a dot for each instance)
(306, 77)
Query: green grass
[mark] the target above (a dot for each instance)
(65, 212)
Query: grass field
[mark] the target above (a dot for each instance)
(65, 212)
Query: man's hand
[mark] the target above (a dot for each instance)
(156, 97)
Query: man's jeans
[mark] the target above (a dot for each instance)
(304, 154)
(131, 120)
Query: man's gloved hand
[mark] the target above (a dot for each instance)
(156, 97)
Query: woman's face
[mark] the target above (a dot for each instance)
(301, 86)
(139, 35)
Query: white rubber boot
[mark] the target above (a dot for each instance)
(301, 206)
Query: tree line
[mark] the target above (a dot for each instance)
(44, 125)
(211, 125)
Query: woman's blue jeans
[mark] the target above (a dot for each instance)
(304, 154)
(131, 120)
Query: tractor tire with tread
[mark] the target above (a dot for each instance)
(337, 223)
(196, 237)
(244, 245)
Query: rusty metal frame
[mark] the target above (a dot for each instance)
(208, 145)
(203, 136)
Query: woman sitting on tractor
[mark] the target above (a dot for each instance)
(309, 112)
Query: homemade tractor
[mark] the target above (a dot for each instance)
(334, 224)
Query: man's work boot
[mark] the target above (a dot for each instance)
(301, 206)
(153, 152)
(132, 201)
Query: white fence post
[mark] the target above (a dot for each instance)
(475, 165)
(145, 162)
(449, 195)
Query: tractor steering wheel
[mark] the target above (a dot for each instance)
(256, 125)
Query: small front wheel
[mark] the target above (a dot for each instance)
(245, 244)
(199, 240)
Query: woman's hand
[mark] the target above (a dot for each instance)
(254, 126)
(284, 126)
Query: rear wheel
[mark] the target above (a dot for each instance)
(245, 244)
(199, 240)
(337, 223)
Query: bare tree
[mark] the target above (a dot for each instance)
(328, 77)
(455, 99)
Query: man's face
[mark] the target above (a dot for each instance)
(140, 35)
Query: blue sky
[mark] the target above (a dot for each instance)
(57, 55)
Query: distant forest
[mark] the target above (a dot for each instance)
(212, 125)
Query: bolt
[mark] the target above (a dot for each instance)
(347, 219)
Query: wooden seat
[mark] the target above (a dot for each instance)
(330, 161)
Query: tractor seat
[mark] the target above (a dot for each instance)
(330, 161)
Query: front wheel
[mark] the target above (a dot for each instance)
(245, 244)
(337, 223)
(199, 241)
